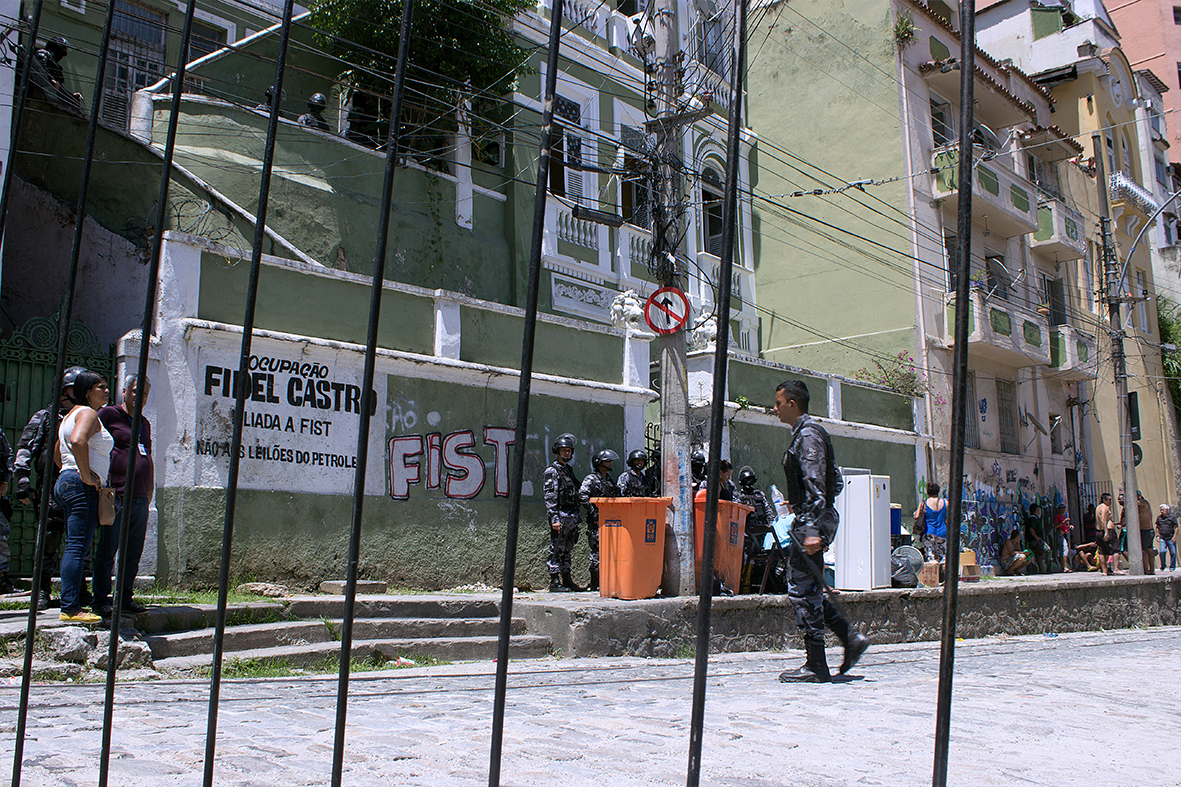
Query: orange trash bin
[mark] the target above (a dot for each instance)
(631, 545)
(731, 533)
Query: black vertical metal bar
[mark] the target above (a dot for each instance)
(705, 585)
(145, 340)
(67, 312)
(368, 405)
(959, 393)
(18, 112)
(242, 386)
(512, 528)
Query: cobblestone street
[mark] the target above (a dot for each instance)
(1037, 710)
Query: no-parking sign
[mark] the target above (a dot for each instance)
(666, 310)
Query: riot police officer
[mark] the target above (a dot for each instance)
(562, 512)
(813, 483)
(697, 468)
(33, 453)
(758, 522)
(314, 117)
(598, 483)
(634, 482)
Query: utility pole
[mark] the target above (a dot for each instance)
(1111, 274)
(666, 235)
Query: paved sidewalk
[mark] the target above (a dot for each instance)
(1078, 709)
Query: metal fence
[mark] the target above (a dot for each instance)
(28, 358)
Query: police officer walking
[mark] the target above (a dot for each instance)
(597, 484)
(813, 482)
(634, 482)
(562, 511)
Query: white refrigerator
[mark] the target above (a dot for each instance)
(861, 550)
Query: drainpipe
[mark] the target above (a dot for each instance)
(908, 153)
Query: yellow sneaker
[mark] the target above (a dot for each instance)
(81, 616)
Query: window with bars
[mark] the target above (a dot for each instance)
(711, 209)
(1006, 413)
(713, 50)
(972, 421)
(942, 130)
(565, 170)
(1044, 174)
(136, 59)
(951, 245)
(635, 198)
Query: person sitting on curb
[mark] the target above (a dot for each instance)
(1014, 559)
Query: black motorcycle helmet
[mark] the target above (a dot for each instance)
(606, 455)
(747, 477)
(566, 440)
(639, 454)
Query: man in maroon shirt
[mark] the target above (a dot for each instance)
(117, 420)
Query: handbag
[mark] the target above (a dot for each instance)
(919, 528)
(106, 505)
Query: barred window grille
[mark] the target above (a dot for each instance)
(1006, 410)
(137, 59)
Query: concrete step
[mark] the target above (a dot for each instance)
(188, 617)
(385, 606)
(306, 632)
(445, 648)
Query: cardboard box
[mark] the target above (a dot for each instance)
(929, 575)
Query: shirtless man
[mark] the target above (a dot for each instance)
(1108, 532)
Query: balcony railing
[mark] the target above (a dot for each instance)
(1059, 231)
(1001, 332)
(1072, 353)
(1005, 201)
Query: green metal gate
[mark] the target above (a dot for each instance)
(28, 359)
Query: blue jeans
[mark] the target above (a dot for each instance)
(79, 501)
(1171, 545)
(108, 545)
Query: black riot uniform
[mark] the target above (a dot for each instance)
(314, 117)
(32, 454)
(635, 481)
(597, 484)
(758, 524)
(563, 515)
(813, 482)
(697, 469)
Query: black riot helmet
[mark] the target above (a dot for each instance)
(58, 47)
(563, 441)
(637, 455)
(606, 455)
(317, 102)
(747, 477)
(70, 375)
(697, 461)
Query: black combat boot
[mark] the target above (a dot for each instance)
(814, 669)
(594, 580)
(858, 643)
(555, 584)
(570, 584)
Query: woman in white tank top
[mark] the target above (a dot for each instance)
(85, 450)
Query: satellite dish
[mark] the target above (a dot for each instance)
(913, 555)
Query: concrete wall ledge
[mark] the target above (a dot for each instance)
(581, 625)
